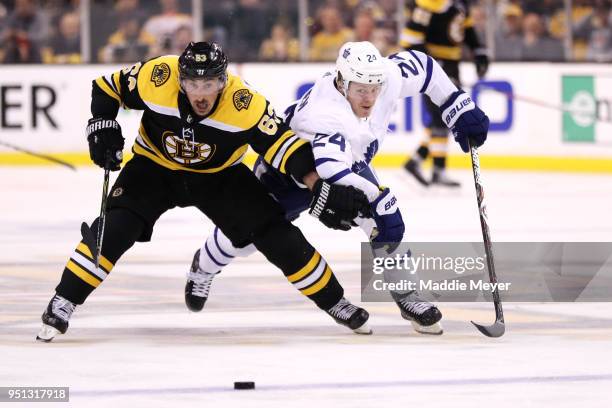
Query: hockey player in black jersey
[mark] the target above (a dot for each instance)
(440, 28)
(197, 124)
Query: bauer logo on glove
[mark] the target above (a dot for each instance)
(468, 123)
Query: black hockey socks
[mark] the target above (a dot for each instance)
(80, 276)
(284, 245)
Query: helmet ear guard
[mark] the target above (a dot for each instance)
(203, 60)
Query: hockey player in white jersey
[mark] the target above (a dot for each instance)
(345, 116)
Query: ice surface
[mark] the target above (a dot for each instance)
(134, 344)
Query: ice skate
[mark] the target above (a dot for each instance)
(424, 316)
(198, 285)
(414, 167)
(440, 178)
(55, 318)
(351, 316)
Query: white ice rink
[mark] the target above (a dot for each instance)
(134, 344)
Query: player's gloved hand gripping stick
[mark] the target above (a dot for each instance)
(106, 150)
(468, 123)
(336, 206)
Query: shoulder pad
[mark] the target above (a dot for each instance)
(158, 81)
(240, 105)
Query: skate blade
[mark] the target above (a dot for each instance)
(46, 334)
(435, 329)
(364, 329)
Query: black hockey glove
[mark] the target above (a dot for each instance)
(105, 142)
(481, 60)
(336, 206)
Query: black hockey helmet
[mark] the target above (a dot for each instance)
(202, 60)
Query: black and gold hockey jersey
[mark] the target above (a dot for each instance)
(440, 28)
(172, 136)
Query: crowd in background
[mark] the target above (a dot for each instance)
(49, 31)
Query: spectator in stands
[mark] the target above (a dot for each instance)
(365, 29)
(326, 43)
(581, 11)
(280, 47)
(363, 25)
(249, 27)
(597, 31)
(127, 44)
(181, 38)
(544, 8)
(385, 40)
(537, 45)
(55, 10)
(130, 9)
(65, 46)
(385, 14)
(162, 26)
(26, 28)
(509, 37)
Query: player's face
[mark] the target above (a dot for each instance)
(202, 93)
(362, 98)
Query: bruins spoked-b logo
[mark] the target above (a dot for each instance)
(160, 74)
(242, 99)
(186, 151)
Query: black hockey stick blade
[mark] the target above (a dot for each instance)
(89, 240)
(497, 329)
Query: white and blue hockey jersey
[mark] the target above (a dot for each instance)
(343, 144)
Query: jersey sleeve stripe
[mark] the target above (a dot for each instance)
(272, 150)
(407, 39)
(319, 162)
(429, 72)
(296, 145)
(278, 157)
(289, 112)
(116, 81)
(111, 83)
(339, 175)
(417, 59)
(103, 85)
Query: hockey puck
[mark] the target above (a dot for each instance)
(244, 385)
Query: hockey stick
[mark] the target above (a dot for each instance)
(498, 328)
(95, 244)
(39, 155)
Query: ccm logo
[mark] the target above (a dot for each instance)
(457, 108)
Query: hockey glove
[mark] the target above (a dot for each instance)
(467, 122)
(481, 60)
(105, 142)
(389, 223)
(336, 206)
